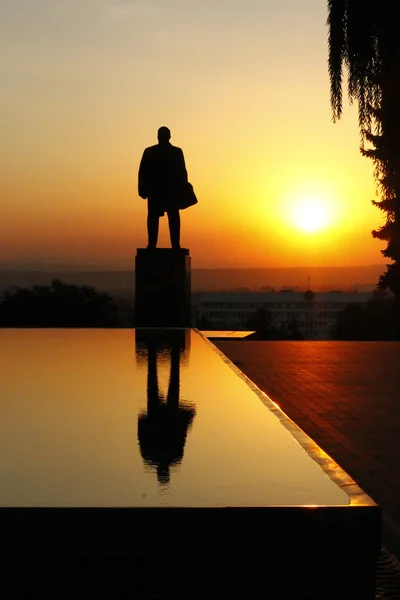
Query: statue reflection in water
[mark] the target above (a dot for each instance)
(163, 427)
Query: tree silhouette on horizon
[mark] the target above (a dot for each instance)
(265, 328)
(364, 37)
(371, 321)
(57, 305)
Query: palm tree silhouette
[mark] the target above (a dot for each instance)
(365, 37)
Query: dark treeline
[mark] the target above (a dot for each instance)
(63, 305)
(263, 325)
(376, 320)
(67, 305)
(262, 322)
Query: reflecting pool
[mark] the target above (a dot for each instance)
(124, 418)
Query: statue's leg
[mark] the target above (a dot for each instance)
(153, 395)
(153, 220)
(174, 222)
(174, 379)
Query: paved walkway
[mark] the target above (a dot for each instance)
(346, 397)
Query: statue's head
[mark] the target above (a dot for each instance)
(164, 135)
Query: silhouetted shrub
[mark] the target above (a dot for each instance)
(262, 322)
(375, 320)
(205, 324)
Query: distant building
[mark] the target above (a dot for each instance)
(314, 313)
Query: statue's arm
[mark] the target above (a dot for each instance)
(182, 165)
(143, 176)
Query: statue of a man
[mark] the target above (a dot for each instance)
(162, 178)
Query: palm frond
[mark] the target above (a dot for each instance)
(337, 52)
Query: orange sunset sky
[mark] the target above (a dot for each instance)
(243, 86)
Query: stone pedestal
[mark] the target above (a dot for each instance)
(162, 288)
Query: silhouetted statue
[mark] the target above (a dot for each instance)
(163, 428)
(162, 180)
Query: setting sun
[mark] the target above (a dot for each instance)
(311, 215)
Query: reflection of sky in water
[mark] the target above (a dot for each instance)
(70, 406)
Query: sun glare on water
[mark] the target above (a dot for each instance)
(311, 215)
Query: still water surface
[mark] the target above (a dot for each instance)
(124, 418)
